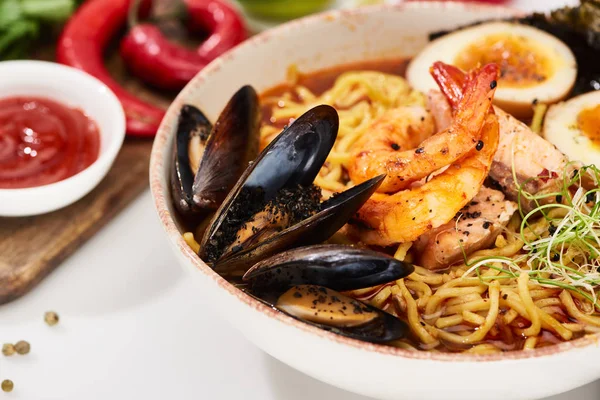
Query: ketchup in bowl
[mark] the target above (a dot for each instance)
(43, 141)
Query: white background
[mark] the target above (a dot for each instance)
(132, 328)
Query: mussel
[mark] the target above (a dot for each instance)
(337, 267)
(303, 283)
(274, 206)
(208, 160)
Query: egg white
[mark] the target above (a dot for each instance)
(561, 129)
(514, 100)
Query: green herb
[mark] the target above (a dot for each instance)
(565, 251)
(21, 22)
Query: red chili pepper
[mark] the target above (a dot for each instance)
(168, 65)
(82, 44)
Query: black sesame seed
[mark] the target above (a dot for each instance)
(486, 225)
(395, 146)
(419, 150)
(590, 197)
(479, 145)
(559, 198)
(493, 84)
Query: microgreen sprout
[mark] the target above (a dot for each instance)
(560, 236)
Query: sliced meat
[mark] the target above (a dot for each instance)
(478, 225)
(531, 155)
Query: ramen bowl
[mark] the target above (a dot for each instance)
(314, 43)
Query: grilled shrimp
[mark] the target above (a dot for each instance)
(529, 154)
(404, 164)
(404, 216)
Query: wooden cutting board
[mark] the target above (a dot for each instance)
(32, 247)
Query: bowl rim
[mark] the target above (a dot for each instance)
(110, 102)
(161, 196)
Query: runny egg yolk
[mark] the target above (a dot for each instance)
(588, 121)
(521, 60)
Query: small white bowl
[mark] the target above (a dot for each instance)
(76, 89)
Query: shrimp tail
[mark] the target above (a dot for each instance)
(476, 101)
(451, 81)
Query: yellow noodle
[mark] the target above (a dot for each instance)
(427, 277)
(450, 320)
(510, 316)
(485, 348)
(381, 297)
(463, 299)
(413, 315)
(574, 312)
(418, 287)
(490, 319)
(543, 293)
(553, 301)
(548, 322)
(530, 343)
(401, 251)
(473, 318)
(477, 305)
(189, 239)
(447, 292)
(573, 327)
(532, 310)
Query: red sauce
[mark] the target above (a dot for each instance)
(42, 141)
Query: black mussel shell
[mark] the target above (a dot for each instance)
(231, 146)
(338, 313)
(221, 153)
(334, 213)
(192, 123)
(293, 158)
(337, 267)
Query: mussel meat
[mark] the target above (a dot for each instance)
(209, 160)
(304, 282)
(335, 312)
(274, 205)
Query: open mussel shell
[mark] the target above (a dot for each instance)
(231, 146)
(337, 267)
(334, 213)
(293, 158)
(193, 129)
(333, 311)
(209, 160)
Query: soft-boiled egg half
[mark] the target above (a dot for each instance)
(574, 127)
(534, 65)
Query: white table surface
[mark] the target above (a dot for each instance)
(131, 327)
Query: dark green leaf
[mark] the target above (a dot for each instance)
(10, 12)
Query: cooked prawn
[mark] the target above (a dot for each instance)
(404, 216)
(404, 164)
(521, 152)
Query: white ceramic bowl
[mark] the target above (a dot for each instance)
(73, 88)
(374, 370)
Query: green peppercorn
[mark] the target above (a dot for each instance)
(22, 347)
(51, 318)
(7, 385)
(8, 349)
